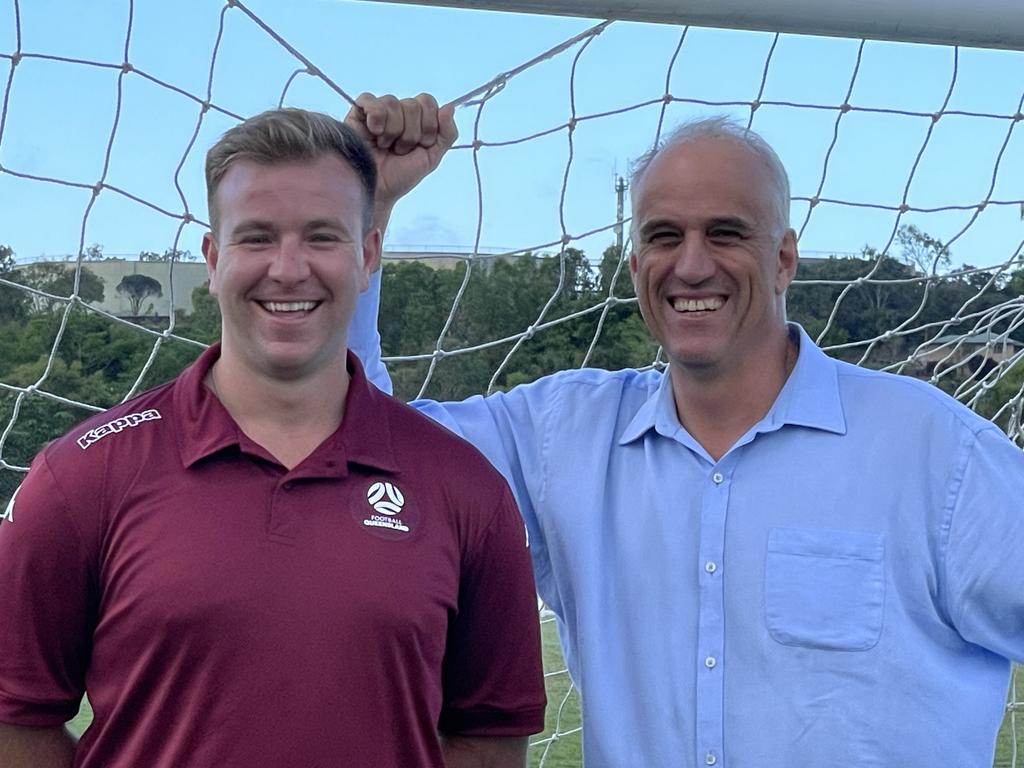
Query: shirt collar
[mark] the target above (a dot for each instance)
(809, 398)
(364, 436)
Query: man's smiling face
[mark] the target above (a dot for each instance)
(288, 262)
(710, 260)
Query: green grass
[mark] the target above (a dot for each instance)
(560, 746)
(1007, 756)
(82, 720)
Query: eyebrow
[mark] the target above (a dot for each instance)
(659, 223)
(260, 225)
(251, 225)
(325, 224)
(733, 222)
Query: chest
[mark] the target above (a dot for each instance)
(240, 553)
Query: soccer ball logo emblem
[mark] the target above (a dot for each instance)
(385, 498)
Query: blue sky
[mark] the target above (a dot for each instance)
(60, 116)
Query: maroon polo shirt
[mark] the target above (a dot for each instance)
(221, 610)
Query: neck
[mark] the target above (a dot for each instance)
(718, 407)
(288, 417)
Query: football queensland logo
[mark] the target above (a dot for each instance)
(385, 498)
(389, 514)
(115, 426)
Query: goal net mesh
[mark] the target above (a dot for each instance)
(510, 261)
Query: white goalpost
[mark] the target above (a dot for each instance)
(901, 124)
(986, 24)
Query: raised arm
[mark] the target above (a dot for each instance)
(408, 138)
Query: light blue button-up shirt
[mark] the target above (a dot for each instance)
(843, 587)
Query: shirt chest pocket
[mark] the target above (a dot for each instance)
(825, 589)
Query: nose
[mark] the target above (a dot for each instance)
(289, 264)
(694, 262)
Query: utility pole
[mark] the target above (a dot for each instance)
(620, 195)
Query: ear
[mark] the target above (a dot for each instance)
(371, 256)
(210, 253)
(788, 261)
(633, 264)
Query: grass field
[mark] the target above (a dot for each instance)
(1010, 744)
(560, 744)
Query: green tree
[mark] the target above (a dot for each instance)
(13, 302)
(93, 252)
(609, 283)
(58, 279)
(921, 251)
(137, 288)
(203, 323)
(1015, 284)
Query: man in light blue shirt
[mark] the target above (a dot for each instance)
(764, 558)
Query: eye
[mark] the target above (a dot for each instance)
(724, 234)
(255, 239)
(663, 237)
(323, 237)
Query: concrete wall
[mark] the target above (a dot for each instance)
(189, 275)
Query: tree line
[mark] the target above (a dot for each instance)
(97, 361)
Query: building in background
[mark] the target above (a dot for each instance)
(151, 289)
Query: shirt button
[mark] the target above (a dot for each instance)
(718, 477)
(710, 662)
(710, 759)
(287, 485)
(710, 566)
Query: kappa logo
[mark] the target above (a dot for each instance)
(387, 502)
(8, 515)
(115, 426)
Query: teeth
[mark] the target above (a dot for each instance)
(697, 305)
(288, 306)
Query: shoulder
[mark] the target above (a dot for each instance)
(117, 432)
(907, 403)
(423, 445)
(445, 473)
(72, 478)
(598, 379)
(586, 388)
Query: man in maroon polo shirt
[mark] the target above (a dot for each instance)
(267, 561)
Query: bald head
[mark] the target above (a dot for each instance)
(721, 128)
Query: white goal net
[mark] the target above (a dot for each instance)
(906, 163)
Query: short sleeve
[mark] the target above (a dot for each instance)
(46, 602)
(493, 676)
(986, 538)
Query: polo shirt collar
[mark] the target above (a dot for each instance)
(364, 436)
(809, 398)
